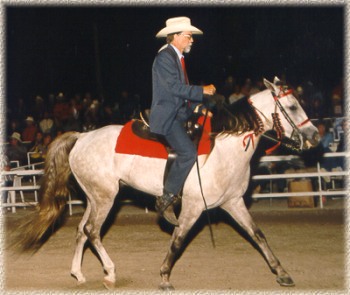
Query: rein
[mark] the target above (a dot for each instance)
(200, 182)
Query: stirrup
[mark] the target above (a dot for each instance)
(170, 216)
(165, 207)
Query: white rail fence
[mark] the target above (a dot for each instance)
(319, 174)
(8, 193)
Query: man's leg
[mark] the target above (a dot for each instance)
(179, 170)
(186, 154)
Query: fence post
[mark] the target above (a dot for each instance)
(319, 184)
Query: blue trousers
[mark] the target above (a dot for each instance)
(186, 153)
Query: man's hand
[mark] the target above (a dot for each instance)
(212, 100)
(209, 89)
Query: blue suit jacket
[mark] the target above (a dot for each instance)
(170, 92)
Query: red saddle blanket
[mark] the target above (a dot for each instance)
(129, 143)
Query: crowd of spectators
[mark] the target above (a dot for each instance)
(317, 103)
(31, 127)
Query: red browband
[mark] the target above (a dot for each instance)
(284, 93)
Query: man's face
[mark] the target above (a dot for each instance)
(183, 41)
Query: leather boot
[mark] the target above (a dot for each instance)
(165, 207)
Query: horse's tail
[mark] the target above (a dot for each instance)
(52, 196)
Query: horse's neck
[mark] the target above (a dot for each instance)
(232, 152)
(264, 107)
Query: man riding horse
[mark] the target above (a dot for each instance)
(173, 102)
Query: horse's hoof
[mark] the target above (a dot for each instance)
(285, 281)
(166, 286)
(80, 279)
(108, 284)
(80, 283)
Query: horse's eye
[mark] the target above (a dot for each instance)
(293, 107)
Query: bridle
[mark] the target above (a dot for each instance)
(296, 140)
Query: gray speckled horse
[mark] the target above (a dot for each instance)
(225, 175)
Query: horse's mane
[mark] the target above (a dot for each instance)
(237, 118)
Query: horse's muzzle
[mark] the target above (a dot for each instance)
(315, 138)
(313, 141)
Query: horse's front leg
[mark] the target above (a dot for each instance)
(186, 220)
(241, 215)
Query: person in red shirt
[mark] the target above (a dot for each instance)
(29, 132)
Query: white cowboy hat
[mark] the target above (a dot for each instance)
(29, 118)
(17, 136)
(178, 24)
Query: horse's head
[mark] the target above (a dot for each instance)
(283, 113)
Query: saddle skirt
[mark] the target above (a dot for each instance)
(130, 143)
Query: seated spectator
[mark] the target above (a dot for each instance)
(29, 130)
(37, 149)
(339, 161)
(61, 111)
(228, 87)
(110, 115)
(337, 96)
(47, 125)
(16, 151)
(73, 121)
(326, 139)
(341, 145)
(247, 86)
(236, 95)
(40, 150)
(257, 87)
(89, 123)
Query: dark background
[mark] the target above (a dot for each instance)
(105, 50)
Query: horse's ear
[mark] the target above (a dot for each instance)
(276, 81)
(269, 85)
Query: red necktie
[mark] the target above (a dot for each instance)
(184, 69)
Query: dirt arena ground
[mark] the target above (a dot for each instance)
(310, 243)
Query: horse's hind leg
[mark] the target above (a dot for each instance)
(240, 214)
(99, 212)
(79, 249)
